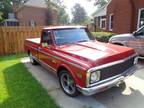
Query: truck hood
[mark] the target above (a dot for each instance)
(95, 53)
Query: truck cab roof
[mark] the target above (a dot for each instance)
(62, 27)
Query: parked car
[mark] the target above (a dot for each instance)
(81, 63)
(134, 40)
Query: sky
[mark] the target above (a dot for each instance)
(88, 6)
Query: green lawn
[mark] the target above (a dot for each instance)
(18, 89)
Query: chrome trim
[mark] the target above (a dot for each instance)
(43, 63)
(98, 88)
(130, 70)
(108, 83)
(31, 47)
(78, 66)
(111, 64)
(104, 66)
(141, 57)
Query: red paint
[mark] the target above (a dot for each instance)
(77, 57)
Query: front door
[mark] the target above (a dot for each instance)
(45, 50)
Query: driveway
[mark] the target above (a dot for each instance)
(129, 96)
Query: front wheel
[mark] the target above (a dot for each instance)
(67, 83)
(32, 60)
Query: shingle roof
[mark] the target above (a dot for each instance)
(36, 3)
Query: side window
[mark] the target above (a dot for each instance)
(111, 22)
(141, 32)
(46, 38)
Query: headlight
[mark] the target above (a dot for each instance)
(94, 77)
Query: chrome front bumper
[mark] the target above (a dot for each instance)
(108, 83)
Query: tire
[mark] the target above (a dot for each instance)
(67, 83)
(32, 60)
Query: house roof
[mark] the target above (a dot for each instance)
(102, 11)
(36, 3)
(10, 20)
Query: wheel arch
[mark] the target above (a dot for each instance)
(64, 67)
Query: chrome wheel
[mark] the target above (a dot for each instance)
(67, 83)
(32, 60)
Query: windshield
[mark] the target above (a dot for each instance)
(70, 36)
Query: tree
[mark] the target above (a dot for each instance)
(51, 12)
(10, 6)
(100, 3)
(1, 19)
(63, 17)
(56, 13)
(79, 14)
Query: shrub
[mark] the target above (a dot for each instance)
(102, 36)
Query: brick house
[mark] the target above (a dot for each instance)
(33, 13)
(123, 16)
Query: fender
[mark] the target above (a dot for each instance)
(66, 67)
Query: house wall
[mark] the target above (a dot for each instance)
(29, 13)
(125, 15)
(138, 5)
(122, 15)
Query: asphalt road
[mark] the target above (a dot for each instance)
(130, 95)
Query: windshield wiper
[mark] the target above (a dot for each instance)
(82, 41)
(65, 43)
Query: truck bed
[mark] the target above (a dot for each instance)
(34, 40)
(32, 44)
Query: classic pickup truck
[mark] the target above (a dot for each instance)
(82, 64)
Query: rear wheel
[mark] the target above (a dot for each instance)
(67, 83)
(32, 60)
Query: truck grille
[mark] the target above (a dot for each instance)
(116, 69)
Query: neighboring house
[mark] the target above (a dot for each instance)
(100, 19)
(33, 13)
(123, 16)
(11, 21)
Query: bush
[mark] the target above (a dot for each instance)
(102, 36)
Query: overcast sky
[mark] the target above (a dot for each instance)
(88, 6)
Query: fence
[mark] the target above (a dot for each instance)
(12, 38)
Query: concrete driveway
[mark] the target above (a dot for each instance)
(129, 96)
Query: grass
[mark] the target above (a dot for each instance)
(18, 89)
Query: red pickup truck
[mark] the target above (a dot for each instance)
(81, 63)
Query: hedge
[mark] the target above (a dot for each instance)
(102, 36)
